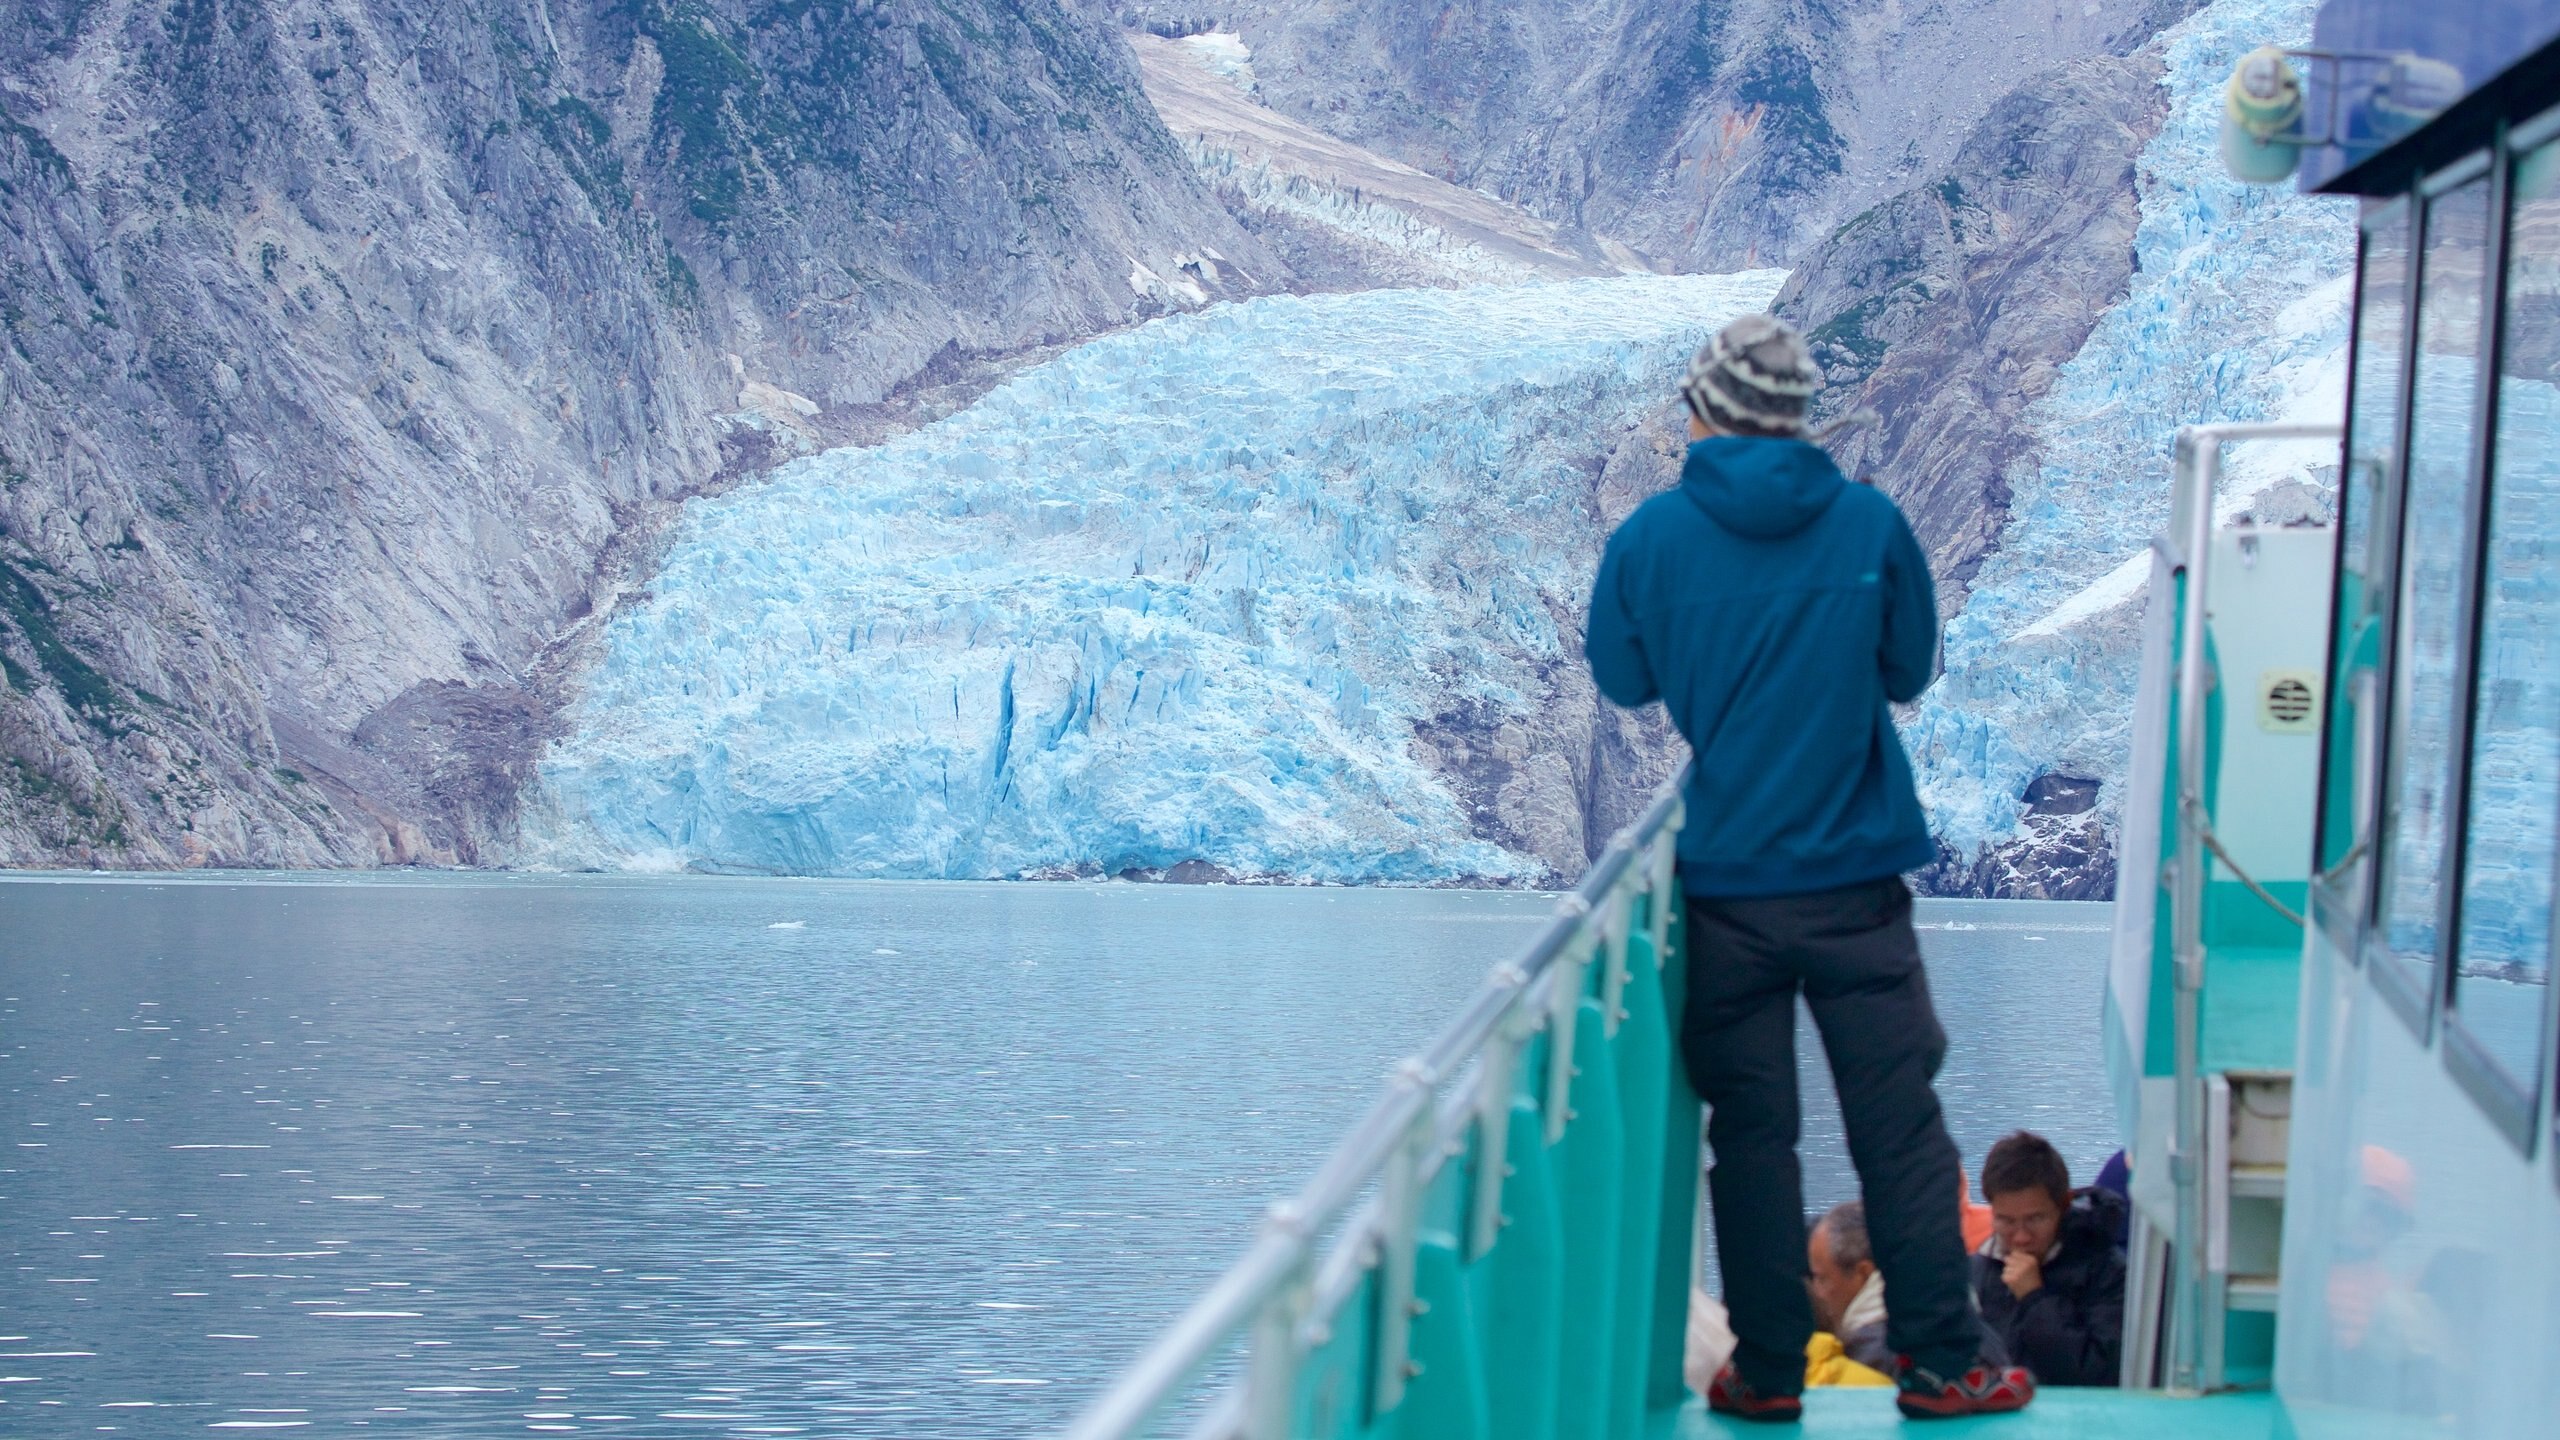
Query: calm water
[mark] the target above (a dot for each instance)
(471, 1156)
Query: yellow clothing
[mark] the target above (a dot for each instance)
(1825, 1363)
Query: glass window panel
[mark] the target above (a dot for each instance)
(2427, 620)
(2373, 450)
(2508, 813)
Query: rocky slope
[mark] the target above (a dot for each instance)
(1344, 217)
(1709, 134)
(355, 349)
(1948, 308)
(2236, 309)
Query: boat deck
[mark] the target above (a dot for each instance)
(2055, 1415)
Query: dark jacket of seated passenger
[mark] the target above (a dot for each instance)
(2071, 1331)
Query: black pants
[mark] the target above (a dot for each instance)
(1852, 954)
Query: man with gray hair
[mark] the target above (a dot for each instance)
(1847, 1289)
(1779, 612)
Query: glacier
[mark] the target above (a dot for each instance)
(1181, 594)
(2238, 311)
(1191, 592)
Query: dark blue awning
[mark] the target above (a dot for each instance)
(2480, 38)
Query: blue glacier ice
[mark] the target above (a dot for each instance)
(2238, 311)
(1188, 591)
(1182, 593)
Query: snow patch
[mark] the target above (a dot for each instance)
(1177, 292)
(1224, 54)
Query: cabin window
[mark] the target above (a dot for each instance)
(2426, 640)
(2504, 958)
(2373, 453)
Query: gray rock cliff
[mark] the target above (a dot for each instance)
(1708, 134)
(353, 351)
(1948, 308)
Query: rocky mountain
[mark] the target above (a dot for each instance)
(1345, 218)
(1949, 308)
(360, 354)
(353, 351)
(1708, 134)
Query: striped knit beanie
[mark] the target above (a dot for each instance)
(1754, 378)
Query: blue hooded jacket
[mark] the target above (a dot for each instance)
(1775, 608)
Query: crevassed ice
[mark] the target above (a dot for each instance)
(1181, 593)
(2238, 311)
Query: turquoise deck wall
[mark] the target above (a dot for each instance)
(1571, 1323)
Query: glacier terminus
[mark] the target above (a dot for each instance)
(1182, 594)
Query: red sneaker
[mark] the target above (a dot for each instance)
(1982, 1390)
(1731, 1395)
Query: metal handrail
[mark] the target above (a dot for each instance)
(2197, 467)
(1280, 1270)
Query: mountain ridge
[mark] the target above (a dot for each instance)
(358, 346)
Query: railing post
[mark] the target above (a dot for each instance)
(1494, 1083)
(1662, 862)
(1613, 923)
(1523, 1317)
(1278, 1347)
(1682, 1222)
(1592, 1176)
(2196, 465)
(1399, 1228)
(1564, 1011)
(1645, 1058)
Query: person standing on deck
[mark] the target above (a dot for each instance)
(1776, 609)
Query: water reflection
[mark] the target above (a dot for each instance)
(2435, 540)
(699, 1156)
(2515, 741)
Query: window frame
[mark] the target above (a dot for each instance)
(2529, 136)
(2510, 1110)
(2421, 999)
(2345, 917)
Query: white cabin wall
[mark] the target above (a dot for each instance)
(2417, 1284)
(2267, 788)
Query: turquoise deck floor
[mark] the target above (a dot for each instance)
(2055, 1415)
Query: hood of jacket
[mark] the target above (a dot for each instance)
(1760, 487)
(2095, 1219)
